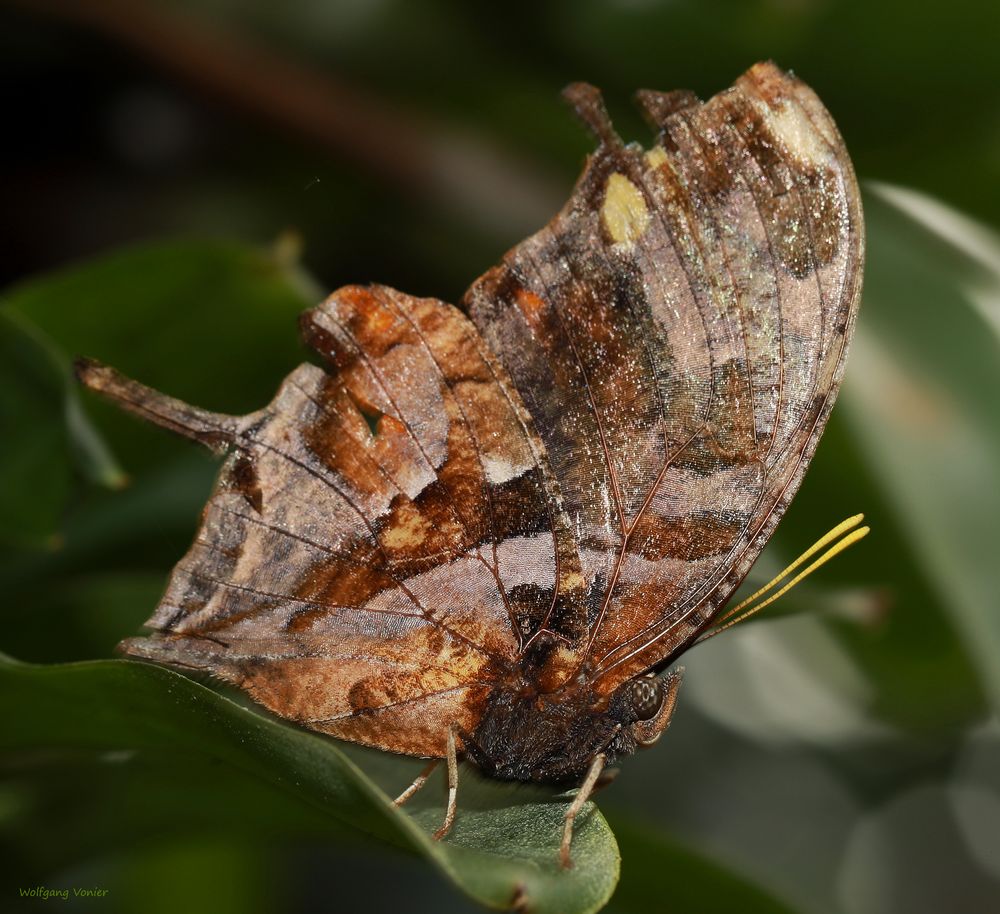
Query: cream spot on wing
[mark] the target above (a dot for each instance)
(499, 470)
(571, 581)
(624, 211)
(656, 157)
(409, 529)
(790, 126)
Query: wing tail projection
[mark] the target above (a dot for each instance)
(214, 430)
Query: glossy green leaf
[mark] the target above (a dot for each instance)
(504, 847)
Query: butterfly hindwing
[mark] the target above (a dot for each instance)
(365, 563)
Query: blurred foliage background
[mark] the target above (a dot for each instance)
(180, 178)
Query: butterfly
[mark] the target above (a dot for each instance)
(489, 531)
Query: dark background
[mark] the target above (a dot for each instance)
(410, 142)
(844, 759)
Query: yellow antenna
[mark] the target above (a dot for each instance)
(837, 531)
(734, 616)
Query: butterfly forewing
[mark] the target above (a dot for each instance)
(677, 333)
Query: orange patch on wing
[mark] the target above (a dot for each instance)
(532, 307)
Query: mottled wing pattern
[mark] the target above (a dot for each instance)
(375, 535)
(678, 334)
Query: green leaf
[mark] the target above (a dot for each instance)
(47, 437)
(503, 848)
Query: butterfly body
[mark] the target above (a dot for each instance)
(488, 526)
(553, 738)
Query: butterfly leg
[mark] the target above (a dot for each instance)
(418, 782)
(449, 815)
(607, 777)
(582, 795)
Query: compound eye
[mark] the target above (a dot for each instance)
(647, 698)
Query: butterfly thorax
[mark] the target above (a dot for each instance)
(548, 738)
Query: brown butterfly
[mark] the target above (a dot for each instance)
(490, 531)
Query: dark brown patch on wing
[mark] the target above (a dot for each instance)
(243, 478)
(530, 605)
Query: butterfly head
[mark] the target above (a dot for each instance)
(644, 706)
